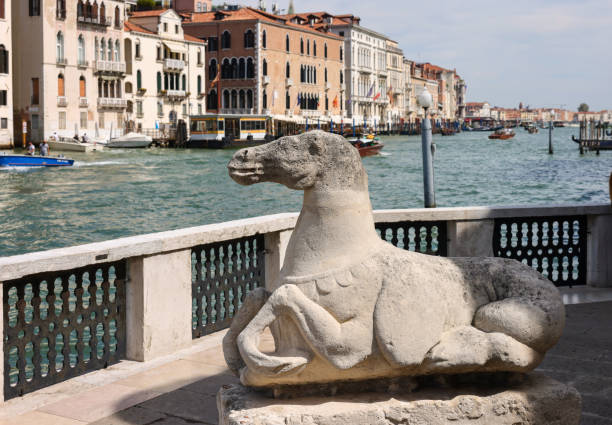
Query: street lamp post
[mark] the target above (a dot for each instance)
(425, 101)
(550, 129)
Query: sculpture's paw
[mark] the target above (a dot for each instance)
(467, 348)
(277, 365)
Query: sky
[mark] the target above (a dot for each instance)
(543, 53)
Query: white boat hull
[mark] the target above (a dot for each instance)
(74, 146)
(130, 141)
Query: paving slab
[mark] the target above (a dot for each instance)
(40, 418)
(186, 405)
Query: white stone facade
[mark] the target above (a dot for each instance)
(71, 79)
(6, 76)
(165, 71)
(366, 73)
(396, 83)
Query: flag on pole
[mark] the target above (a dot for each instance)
(299, 99)
(390, 95)
(335, 102)
(371, 91)
(216, 80)
(377, 96)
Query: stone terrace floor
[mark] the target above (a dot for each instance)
(180, 389)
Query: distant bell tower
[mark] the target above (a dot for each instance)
(291, 9)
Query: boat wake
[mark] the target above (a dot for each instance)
(96, 163)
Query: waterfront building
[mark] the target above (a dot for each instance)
(447, 102)
(189, 6)
(70, 73)
(396, 83)
(165, 70)
(269, 65)
(6, 76)
(410, 104)
(421, 82)
(460, 92)
(477, 110)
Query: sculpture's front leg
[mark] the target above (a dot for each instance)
(342, 344)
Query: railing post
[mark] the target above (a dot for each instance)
(470, 238)
(158, 305)
(599, 250)
(276, 245)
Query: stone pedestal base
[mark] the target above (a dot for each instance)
(537, 400)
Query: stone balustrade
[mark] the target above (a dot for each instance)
(173, 64)
(147, 296)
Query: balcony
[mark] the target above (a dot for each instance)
(265, 80)
(109, 67)
(61, 61)
(112, 103)
(176, 93)
(100, 21)
(82, 64)
(62, 101)
(310, 113)
(238, 111)
(83, 102)
(173, 65)
(342, 87)
(288, 82)
(327, 86)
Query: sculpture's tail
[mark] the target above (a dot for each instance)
(529, 307)
(251, 305)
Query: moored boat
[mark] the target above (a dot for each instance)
(34, 161)
(502, 134)
(219, 131)
(130, 141)
(72, 145)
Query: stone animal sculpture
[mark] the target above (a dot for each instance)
(350, 306)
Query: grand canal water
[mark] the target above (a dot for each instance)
(128, 192)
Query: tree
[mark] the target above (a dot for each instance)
(145, 4)
(583, 107)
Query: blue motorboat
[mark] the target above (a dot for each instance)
(34, 161)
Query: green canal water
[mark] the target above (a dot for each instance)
(120, 193)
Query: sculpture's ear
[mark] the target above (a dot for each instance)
(317, 147)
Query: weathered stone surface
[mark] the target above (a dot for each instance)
(349, 306)
(538, 400)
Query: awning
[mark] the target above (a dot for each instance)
(175, 47)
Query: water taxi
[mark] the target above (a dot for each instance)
(368, 145)
(503, 134)
(228, 131)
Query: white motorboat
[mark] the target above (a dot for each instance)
(72, 145)
(130, 140)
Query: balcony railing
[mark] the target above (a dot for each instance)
(62, 101)
(238, 111)
(173, 64)
(102, 21)
(83, 102)
(83, 64)
(310, 113)
(61, 61)
(265, 80)
(110, 67)
(288, 82)
(112, 102)
(176, 93)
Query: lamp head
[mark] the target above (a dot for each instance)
(424, 99)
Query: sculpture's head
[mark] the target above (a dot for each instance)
(310, 160)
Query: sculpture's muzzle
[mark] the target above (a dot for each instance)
(244, 168)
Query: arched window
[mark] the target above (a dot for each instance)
(288, 70)
(102, 49)
(302, 74)
(234, 99)
(81, 50)
(264, 100)
(117, 51)
(212, 69)
(93, 10)
(61, 90)
(314, 75)
(287, 42)
(159, 82)
(341, 77)
(234, 68)
(60, 47)
(264, 41)
(301, 45)
(226, 99)
(60, 5)
(264, 67)
(4, 60)
(314, 48)
(102, 12)
(325, 50)
(249, 39)
(138, 80)
(80, 8)
(199, 56)
(242, 99)
(249, 99)
(241, 68)
(308, 47)
(211, 100)
(199, 84)
(184, 82)
(226, 40)
(341, 54)
(226, 69)
(287, 100)
(82, 87)
(250, 68)
(326, 75)
(117, 17)
(109, 52)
